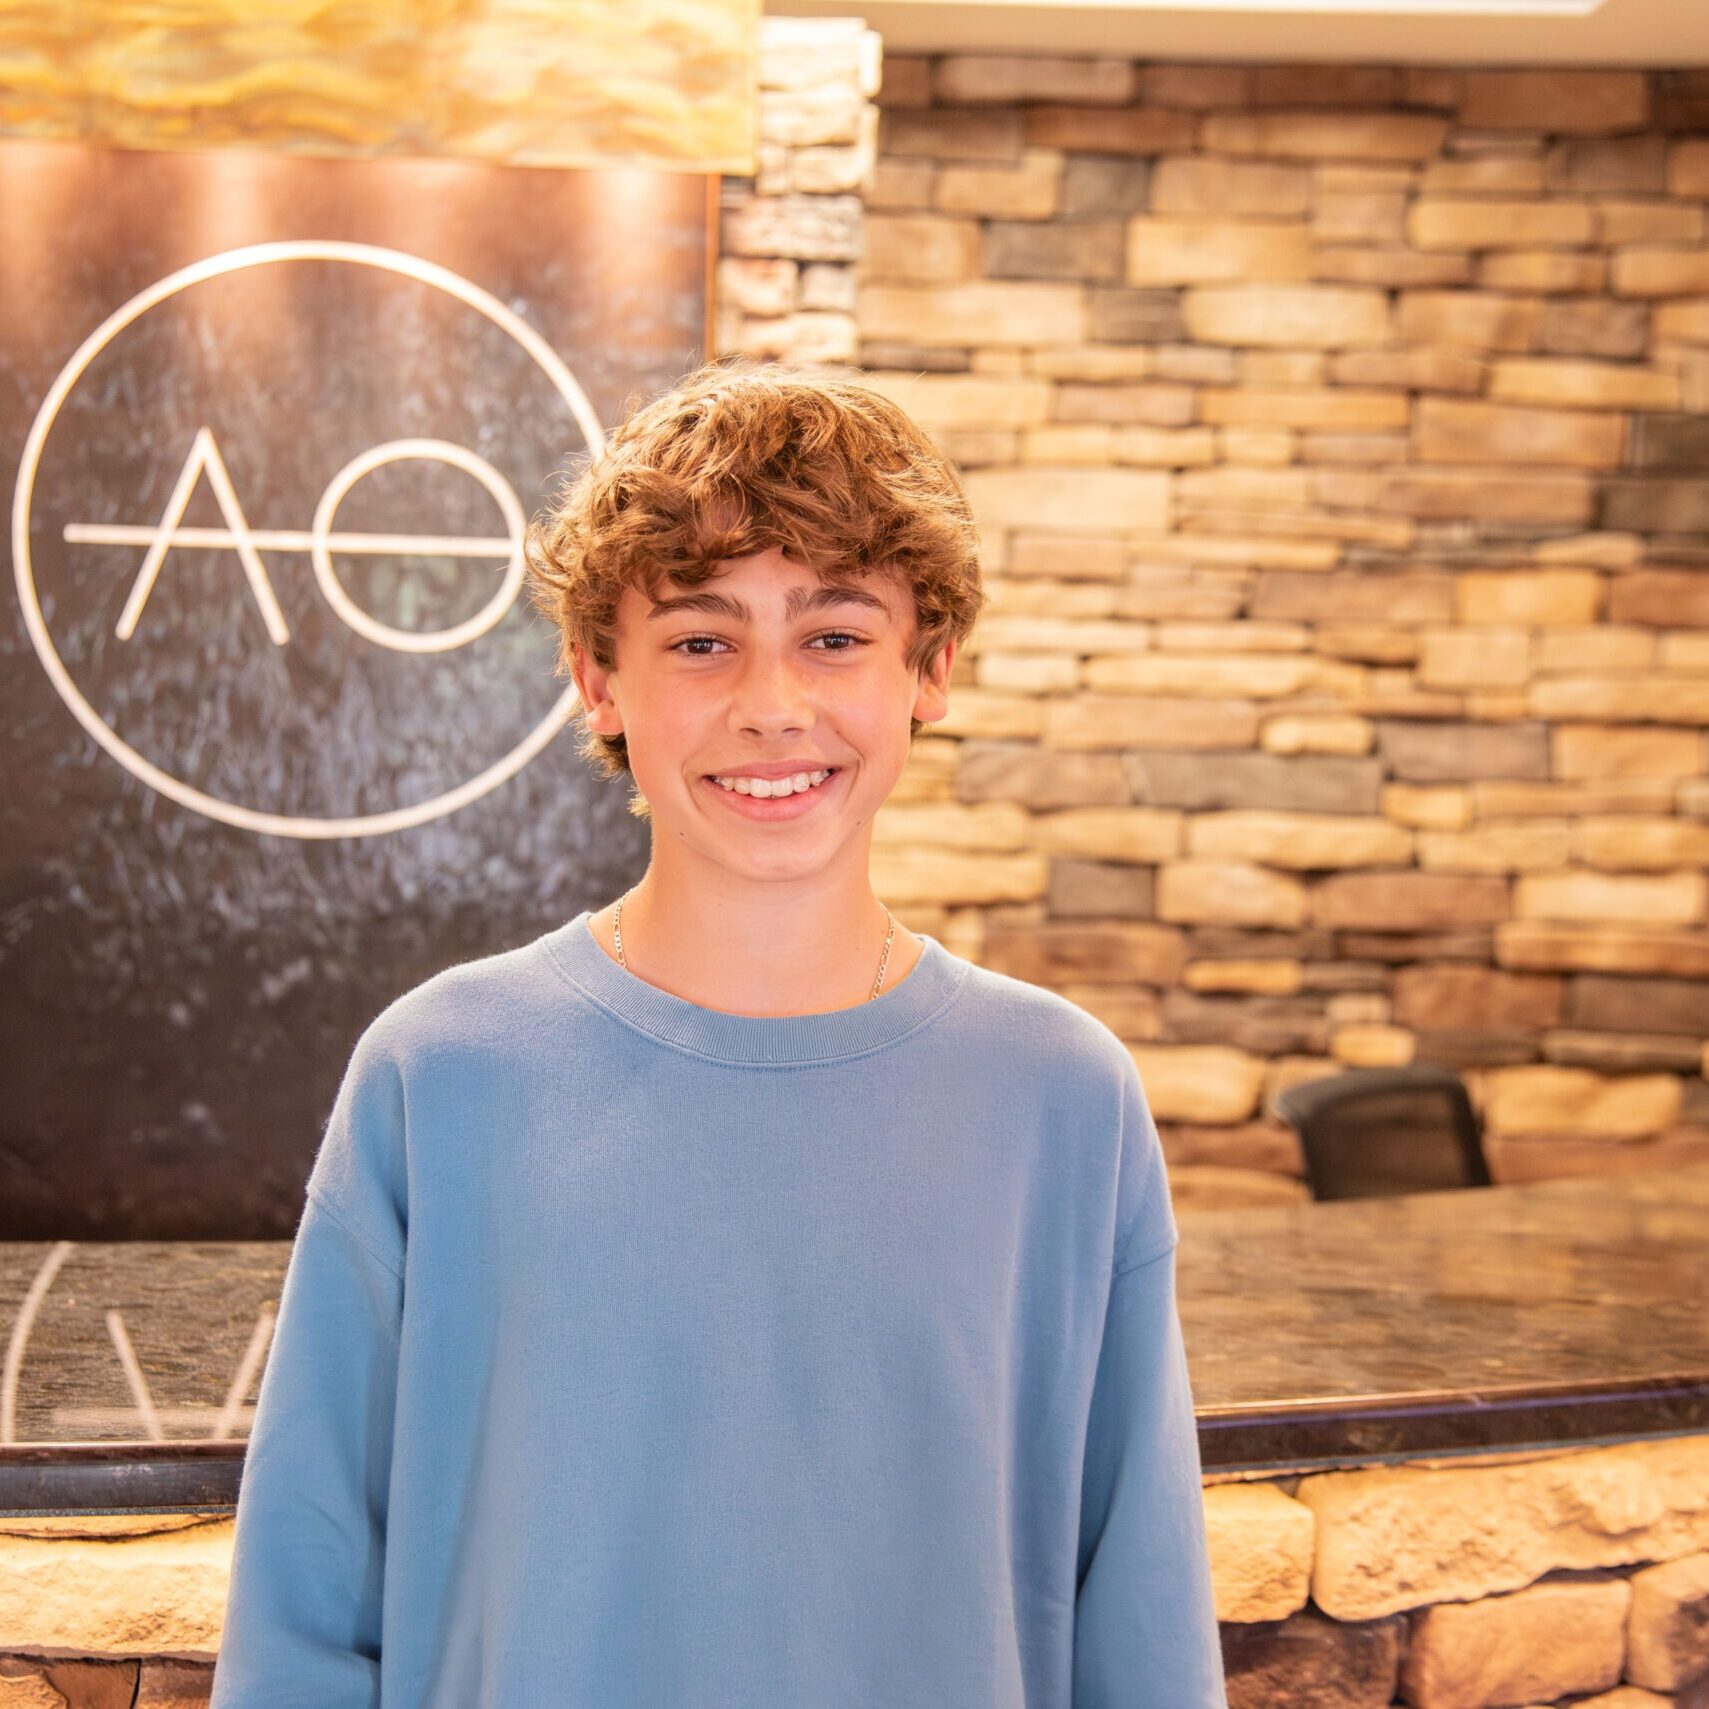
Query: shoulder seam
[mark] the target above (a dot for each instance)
(344, 1223)
(1151, 1258)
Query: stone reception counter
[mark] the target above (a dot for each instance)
(1455, 1446)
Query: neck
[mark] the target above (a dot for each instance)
(780, 955)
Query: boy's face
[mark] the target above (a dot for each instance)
(742, 672)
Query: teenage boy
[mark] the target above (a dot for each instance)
(733, 1299)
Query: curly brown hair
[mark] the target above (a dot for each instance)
(737, 457)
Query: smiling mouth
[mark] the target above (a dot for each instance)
(775, 788)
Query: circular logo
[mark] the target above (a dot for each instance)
(319, 542)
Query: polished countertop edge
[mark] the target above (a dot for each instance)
(1582, 1292)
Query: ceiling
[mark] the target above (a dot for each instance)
(1401, 32)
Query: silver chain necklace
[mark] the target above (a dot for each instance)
(877, 984)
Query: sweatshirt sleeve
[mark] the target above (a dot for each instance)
(303, 1606)
(1145, 1627)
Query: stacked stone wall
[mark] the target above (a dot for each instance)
(1575, 1577)
(1338, 437)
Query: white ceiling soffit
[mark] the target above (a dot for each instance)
(1399, 32)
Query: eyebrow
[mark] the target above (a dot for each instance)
(800, 599)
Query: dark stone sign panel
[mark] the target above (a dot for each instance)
(282, 731)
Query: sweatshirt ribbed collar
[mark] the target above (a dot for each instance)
(757, 1040)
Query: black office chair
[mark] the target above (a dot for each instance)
(1375, 1132)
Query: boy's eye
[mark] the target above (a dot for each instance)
(688, 641)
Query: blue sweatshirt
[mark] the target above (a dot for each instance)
(633, 1354)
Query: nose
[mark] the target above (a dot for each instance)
(771, 692)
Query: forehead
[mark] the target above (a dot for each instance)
(805, 592)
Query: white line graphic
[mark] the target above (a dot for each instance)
(233, 813)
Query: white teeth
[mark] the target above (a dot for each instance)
(763, 787)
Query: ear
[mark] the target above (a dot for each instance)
(932, 702)
(593, 686)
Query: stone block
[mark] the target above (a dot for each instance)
(1238, 674)
(1255, 780)
(1592, 326)
(1615, 751)
(906, 79)
(1533, 845)
(1439, 996)
(1408, 901)
(1556, 1638)
(1542, 270)
(1491, 223)
(802, 228)
(1198, 186)
(1546, 1099)
(1149, 721)
(1120, 315)
(1400, 268)
(1632, 222)
(1688, 167)
(1029, 189)
(803, 118)
(1670, 440)
(1099, 185)
(986, 79)
(1414, 370)
(1153, 404)
(1557, 102)
(1448, 493)
(1667, 1637)
(1626, 1003)
(1466, 320)
(1328, 407)
(1229, 892)
(1665, 598)
(1631, 899)
(1122, 953)
(1550, 946)
(978, 312)
(1146, 835)
(920, 249)
(1568, 385)
(1626, 842)
(1259, 1540)
(904, 185)
(1089, 889)
(1306, 85)
(1067, 249)
(1199, 1083)
(1316, 733)
(1108, 130)
(829, 285)
(1200, 251)
(951, 133)
(1300, 841)
(1091, 499)
(1391, 596)
(797, 53)
(1632, 164)
(1462, 430)
(1661, 506)
(1516, 173)
(1195, 86)
(1453, 752)
(1164, 447)
(1392, 1538)
(1313, 316)
(967, 400)
(758, 285)
(1037, 779)
(1652, 271)
(1306, 1659)
(1687, 322)
(1307, 134)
